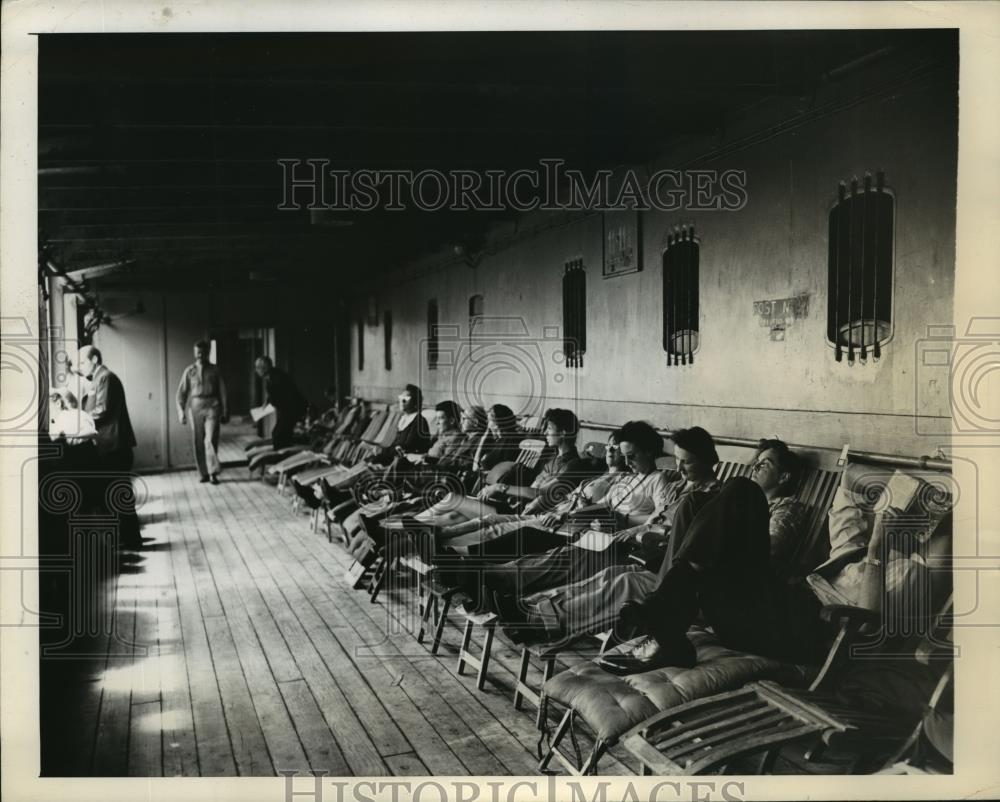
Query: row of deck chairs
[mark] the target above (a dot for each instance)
(675, 721)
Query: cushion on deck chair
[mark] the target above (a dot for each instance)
(611, 705)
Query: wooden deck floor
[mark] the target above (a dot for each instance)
(240, 649)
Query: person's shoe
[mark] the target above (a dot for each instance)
(203, 480)
(214, 479)
(508, 609)
(527, 635)
(630, 622)
(649, 655)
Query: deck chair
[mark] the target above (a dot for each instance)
(609, 706)
(707, 735)
(320, 449)
(347, 454)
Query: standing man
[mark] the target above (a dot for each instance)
(281, 393)
(105, 402)
(203, 390)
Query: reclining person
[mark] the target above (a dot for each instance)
(586, 495)
(436, 529)
(449, 442)
(557, 478)
(413, 435)
(643, 507)
(593, 604)
(473, 425)
(503, 442)
(628, 501)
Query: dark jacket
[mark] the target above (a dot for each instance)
(280, 391)
(106, 404)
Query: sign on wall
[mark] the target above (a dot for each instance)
(779, 314)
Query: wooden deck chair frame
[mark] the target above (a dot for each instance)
(762, 717)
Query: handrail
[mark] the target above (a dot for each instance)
(867, 457)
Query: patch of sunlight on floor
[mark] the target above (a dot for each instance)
(170, 721)
(156, 672)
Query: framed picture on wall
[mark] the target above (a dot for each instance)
(622, 243)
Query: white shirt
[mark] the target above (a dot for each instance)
(70, 423)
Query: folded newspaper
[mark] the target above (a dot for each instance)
(259, 413)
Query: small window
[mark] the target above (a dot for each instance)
(680, 297)
(574, 290)
(475, 313)
(860, 267)
(433, 344)
(361, 344)
(387, 328)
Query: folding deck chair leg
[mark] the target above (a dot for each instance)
(425, 613)
(387, 569)
(522, 676)
(590, 767)
(442, 619)
(484, 660)
(524, 691)
(557, 736)
(464, 648)
(547, 672)
(375, 582)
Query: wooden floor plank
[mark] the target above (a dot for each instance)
(382, 730)
(179, 747)
(214, 748)
(410, 715)
(314, 733)
(145, 755)
(266, 707)
(461, 734)
(245, 730)
(239, 595)
(407, 765)
(111, 744)
(379, 696)
(360, 753)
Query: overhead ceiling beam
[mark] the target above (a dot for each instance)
(96, 271)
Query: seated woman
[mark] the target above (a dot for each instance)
(413, 435)
(504, 441)
(448, 443)
(473, 425)
(642, 510)
(593, 604)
